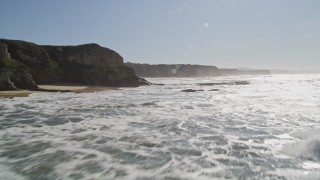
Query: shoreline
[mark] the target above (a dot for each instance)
(56, 87)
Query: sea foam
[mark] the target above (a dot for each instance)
(267, 129)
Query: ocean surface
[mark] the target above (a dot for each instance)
(267, 129)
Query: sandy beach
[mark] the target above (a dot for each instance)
(63, 87)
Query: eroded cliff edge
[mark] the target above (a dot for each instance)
(24, 62)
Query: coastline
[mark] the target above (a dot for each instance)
(56, 87)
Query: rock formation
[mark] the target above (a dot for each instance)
(4, 51)
(13, 74)
(43, 67)
(88, 64)
(92, 64)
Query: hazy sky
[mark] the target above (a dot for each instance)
(226, 33)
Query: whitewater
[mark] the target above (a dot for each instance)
(267, 129)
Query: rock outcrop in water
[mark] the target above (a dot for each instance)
(191, 90)
(174, 70)
(224, 83)
(88, 64)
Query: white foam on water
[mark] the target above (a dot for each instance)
(307, 145)
(7, 173)
(265, 130)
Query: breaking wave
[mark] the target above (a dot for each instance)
(306, 146)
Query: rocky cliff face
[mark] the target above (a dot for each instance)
(87, 54)
(4, 51)
(179, 70)
(88, 64)
(15, 76)
(92, 64)
(43, 68)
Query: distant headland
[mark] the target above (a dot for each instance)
(187, 70)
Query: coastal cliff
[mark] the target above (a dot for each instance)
(92, 64)
(13, 74)
(174, 70)
(187, 70)
(88, 64)
(236, 72)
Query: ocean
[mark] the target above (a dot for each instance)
(266, 129)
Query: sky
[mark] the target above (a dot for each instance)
(268, 34)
